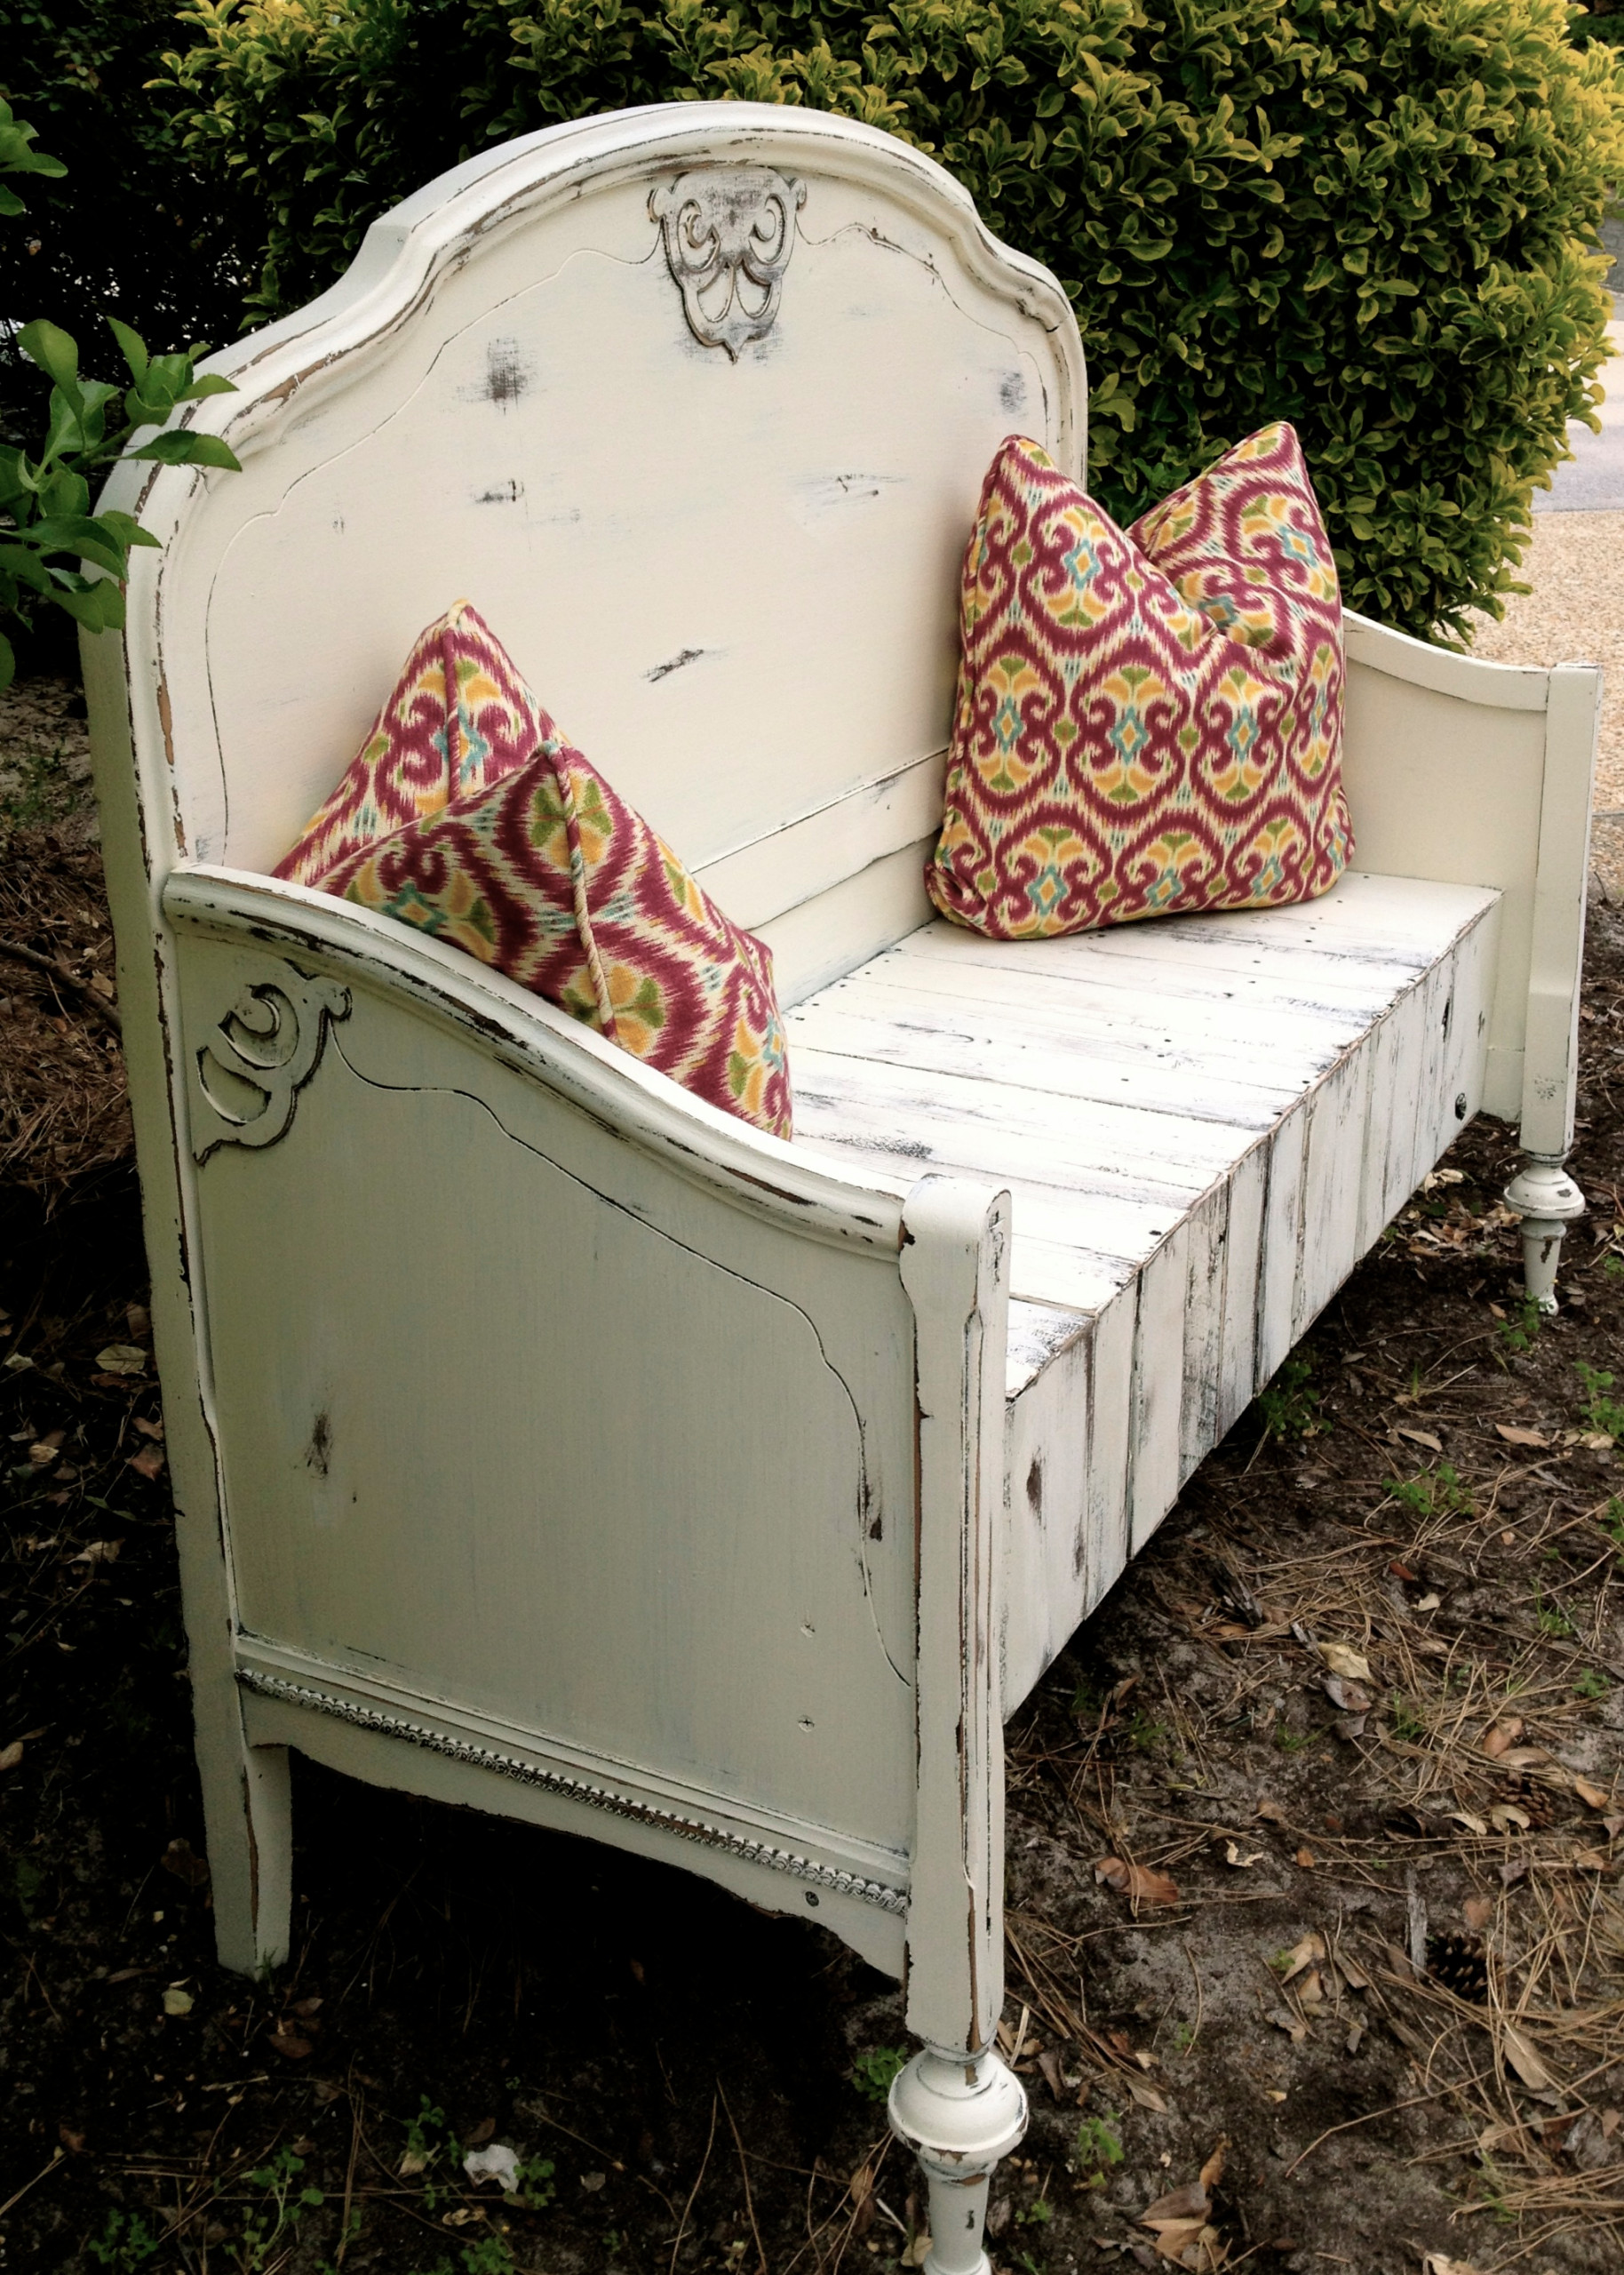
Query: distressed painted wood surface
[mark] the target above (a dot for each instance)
(726, 551)
(1203, 1123)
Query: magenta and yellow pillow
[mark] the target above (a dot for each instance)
(467, 814)
(1148, 723)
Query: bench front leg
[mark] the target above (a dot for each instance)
(1543, 1194)
(957, 2104)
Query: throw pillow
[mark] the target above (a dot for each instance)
(516, 849)
(1148, 723)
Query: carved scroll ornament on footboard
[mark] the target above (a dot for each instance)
(729, 232)
(253, 1065)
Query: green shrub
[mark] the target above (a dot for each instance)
(130, 231)
(1376, 217)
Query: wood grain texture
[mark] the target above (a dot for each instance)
(1291, 1074)
(954, 1266)
(513, 1393)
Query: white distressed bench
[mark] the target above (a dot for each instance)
(544, 1441)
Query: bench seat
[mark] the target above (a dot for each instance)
(1203, 1122)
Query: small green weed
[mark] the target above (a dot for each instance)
(1553, 1622)
(1097, 2148)
(537, 2188)
(1037, 2215)
(1407, 1724)
(265, 2226)
(1613, 1521)
(873, 2073)
(1146, 1735)
(1613, 1265)
(1184, 2037)
(1290, 1404)
(1290, 1741)
(1432, 1492)
(426, 2144)
(1589, 1684)
(1605, 1414)
(124, 2244)
(1494, 2197)
(492, 2254)
(1520, 1331)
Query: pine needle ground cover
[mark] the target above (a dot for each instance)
(1315, 1844)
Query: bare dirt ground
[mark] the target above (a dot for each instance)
(1313, 1844)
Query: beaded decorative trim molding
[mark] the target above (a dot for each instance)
(575, 1789)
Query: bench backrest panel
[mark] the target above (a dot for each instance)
(732, 576)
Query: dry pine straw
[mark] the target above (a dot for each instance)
(64, 1117)
(1316, 1851)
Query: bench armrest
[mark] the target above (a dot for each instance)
(1478, 773)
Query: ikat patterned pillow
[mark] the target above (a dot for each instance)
(1148, 723)
(467, 814)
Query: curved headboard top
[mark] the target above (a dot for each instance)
(693, 402)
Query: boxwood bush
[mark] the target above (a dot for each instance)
(1376, 218)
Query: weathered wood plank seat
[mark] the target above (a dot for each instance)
(543, 1439)
(1202, 1122)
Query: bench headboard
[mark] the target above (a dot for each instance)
(694, 404)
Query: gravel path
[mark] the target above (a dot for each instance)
(1575, 614)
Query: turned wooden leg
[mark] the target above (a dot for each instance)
(959, 2113)
(1546, 1200)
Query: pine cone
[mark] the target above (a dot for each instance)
(1460, 1964)
(1534, 1801)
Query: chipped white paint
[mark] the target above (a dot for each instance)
(542, 1439)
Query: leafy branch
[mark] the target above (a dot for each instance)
(47, 530)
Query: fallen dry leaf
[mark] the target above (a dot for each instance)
(1477, 1910)
(1137, 1882)
(1347, 1697)
(121, 1359)
(1187, 2203)
(1420, 1438)
(1272, 1812)
(1306, 1859)
(148, 1463)
(11, 1755)
(1146, 2095)
(1427, 1603)
(177, 1858)
(1212, 2171)
(1515, 1435)
(1505, 1815)
(1499, 1736)
(1472, 1822)
(1311, 1993)
(1592, 1796)
(1307, 1951)
(1232, 1855)
(1596, 1441)
(1589, 1860)
(1350, 1665)
(148, 1429)
(177, 2002)
(1435, 2263)
(97, 1552)
(1352, 1974)
(1521, 2054)
(292, 2046)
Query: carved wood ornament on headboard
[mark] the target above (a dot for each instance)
(728, 227)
